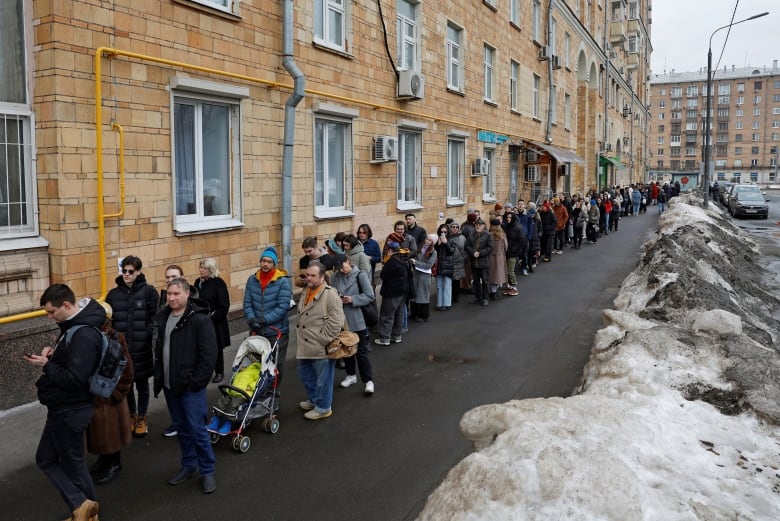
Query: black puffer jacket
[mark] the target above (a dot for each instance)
(214, 291)
(445, 258)
(193, 350)
(133, 311)
(395, 276)
(515, 237)
(65, 378)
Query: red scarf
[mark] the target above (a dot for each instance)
(264, 278)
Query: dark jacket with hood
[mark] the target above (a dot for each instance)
(445, 258)
(483, 243)
(515, 236)
(65, 379)
(133, 312)
(395, 275)
(193, 350)
(214, 291)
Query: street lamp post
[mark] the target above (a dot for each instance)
(708, 116)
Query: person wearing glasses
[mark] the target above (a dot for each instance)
(134, 305)
(370, 248)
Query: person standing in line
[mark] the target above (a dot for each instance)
(561, 220)
(320, 319)
(185, 354)
(64, 389)
(497, 273)
(423, 264)
(516, 241)
(370, 248)
(591, 228)
(578, 218)
(353, 249)
(355, 291)
(110, 427)
(213, 291)
(267, 304)
(445, 258)
(478, 248)
(549, 224)
(459, 260)
(134, 305)
(415, 230)
(395, 289)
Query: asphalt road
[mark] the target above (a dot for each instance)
(376, 458)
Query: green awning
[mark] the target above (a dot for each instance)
(614, 161)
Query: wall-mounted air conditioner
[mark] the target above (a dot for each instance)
(531, 156)
(481, 166)
(556, 62)
(385, 148)
(411, 85)
(544, 53)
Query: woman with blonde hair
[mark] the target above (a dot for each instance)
(497, 275)
(213, 290)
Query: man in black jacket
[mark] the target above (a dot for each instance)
(185, 354)
(64, 389)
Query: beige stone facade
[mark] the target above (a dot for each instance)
(199, 86)
(745, 123)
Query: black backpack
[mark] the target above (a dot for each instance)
(110, 366)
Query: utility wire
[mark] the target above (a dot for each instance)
(728, 31)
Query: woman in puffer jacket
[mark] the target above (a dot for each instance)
(445, 268)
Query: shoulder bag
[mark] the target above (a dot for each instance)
(343, 346)
(370, 313)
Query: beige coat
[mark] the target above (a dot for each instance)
(319, 322)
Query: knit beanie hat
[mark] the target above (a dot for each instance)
(270, 253)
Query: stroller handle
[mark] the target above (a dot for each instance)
(277, 331)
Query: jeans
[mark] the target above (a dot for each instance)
(481, 290)
(360, 359)
(190, 414)
(391, 317)
(60, 454)
(661, 208)
(606, 221)
(443, 291)
(636, 208)
(142, 387)
(317, 377)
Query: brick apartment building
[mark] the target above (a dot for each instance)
(744, 122)
(175, 129)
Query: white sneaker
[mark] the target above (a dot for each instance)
(369, 387)
(350, 379)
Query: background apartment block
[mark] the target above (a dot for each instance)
(744, 119)
(174, 111)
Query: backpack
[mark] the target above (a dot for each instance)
(109, 368)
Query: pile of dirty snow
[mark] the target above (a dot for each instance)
(678, 411)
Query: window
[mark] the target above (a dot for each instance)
(660, 163)
(722, 138)
(724, 90)
(676, 104)
(723, 100)
(755, 125)
(757, 85)
(332, 165)
(776, 110)
(514, 69)
(676, 115)
(722, 175)
(776, 136)
(690, 114)
(330, 23)
(756, 112)
(756, 137)
(660, 152)
(740, 100)
(662, 104)
(661, 116)
(737, 176)
(489, 59)
(554, 105)
(456, 160)
(222, 5)
(740, 113)
(662, 92)
(660, 140)
(660, 128)
(690, 151)
(567, 52)
(754, 150)
(722, 125)
(489, 181)
(753, 177)
(552, 39)
(776, 98)
(754, 162)
(536, 101)
(738, 137)
(692, 90)
(756, 100)
(633, 12)
(409, 169)
(738, 164)
(675, 139)
(676, 92)
(408, 37)
(777, 84)
(723, 113)
(536, 21)
(675, 151)
(692, 103)
(567, 110)
(675, 163)
(18, 202)
(738, 151)
(738, 125)
(514, 12)
(720, 163)
(740, 87)
(454, 71)
(775, 124)
(633, 43)
(207, 165)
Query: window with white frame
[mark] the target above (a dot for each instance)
(661, 115)
(456, 161)
(737, 151)
(737, 163)
(566, 50)
(207, 174)
(776, 98)
(536, 94)
(724, 90)
(756, 137)
(756, 112)
(554, 105)
(691, 125)
(740, 87)
(330, 23)
(692, 103)
(454, 67)
(408, 35)
(18, 204)
(720, 163)
(633, 43)
(775, 136)
(676, 104)
(332, 165)
(662, 104)
(738, 125)
(536, 21)
(222, 5)
(409, 169)
(692, 91)
(775, 124)
(489, 56)
(739, 113)
(776, 110)
(660, 140)
(675, 92)
(567, 110)
(633, 11)
(514, 12)
(514, 71)
(489, 181)
(552, 40)
(756, 125)
(756, 99)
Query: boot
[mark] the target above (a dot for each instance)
(141, 429)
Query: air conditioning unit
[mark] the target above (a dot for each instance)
(481, 166)
(531, 156)
(544, 53)
(411, 84)
(385, 148)
(556, 62)
(609, 147)
(532, 174)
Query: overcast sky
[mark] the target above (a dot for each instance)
(681, 31)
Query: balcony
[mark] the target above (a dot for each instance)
(617, 32)
(633, 25)
(632, 60)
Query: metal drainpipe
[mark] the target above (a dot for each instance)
(607, 93)
(289, 131)
(550, 95)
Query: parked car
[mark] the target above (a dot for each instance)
(723, 189)
(748, 203)
(748, 187)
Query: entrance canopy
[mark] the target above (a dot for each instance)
(614, 161)
(562, 155)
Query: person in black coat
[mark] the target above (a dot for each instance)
(549, 223)
(395, 289)
(213, 290)
(478, 248)
(517, 244)
(134, 303)
(445, 268)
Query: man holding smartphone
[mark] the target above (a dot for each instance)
(64, 389)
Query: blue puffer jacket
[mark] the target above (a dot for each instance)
(271, 306)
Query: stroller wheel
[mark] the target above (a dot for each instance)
(242, 443)
(213, 437)
(236, 443)
(271, 425)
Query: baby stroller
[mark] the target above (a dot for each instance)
(251, 393)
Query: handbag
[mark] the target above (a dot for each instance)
(343, 346)
(370, 313)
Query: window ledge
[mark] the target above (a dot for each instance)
(224, 13)
(195, 227)
(536, 119)
(325, 46)
(324, 213)
(516, 112)
(23, 243)
(455, 202)
(490, 102)
(455, 91)
(405, 206)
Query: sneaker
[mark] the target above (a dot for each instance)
(397, 340)
(306, 405)
(369, 390)
(382, 341)
(350, 379)
(141, 428)
(316, 415)
(512, 292)
(525, 273)
(558, 252)
(171, 431)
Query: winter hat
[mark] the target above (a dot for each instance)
(593, 201)
(495, 222)
(498, 207)
(335, 248)
(546, 205)
(471, 216)
(270, 253)
(479, 221)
